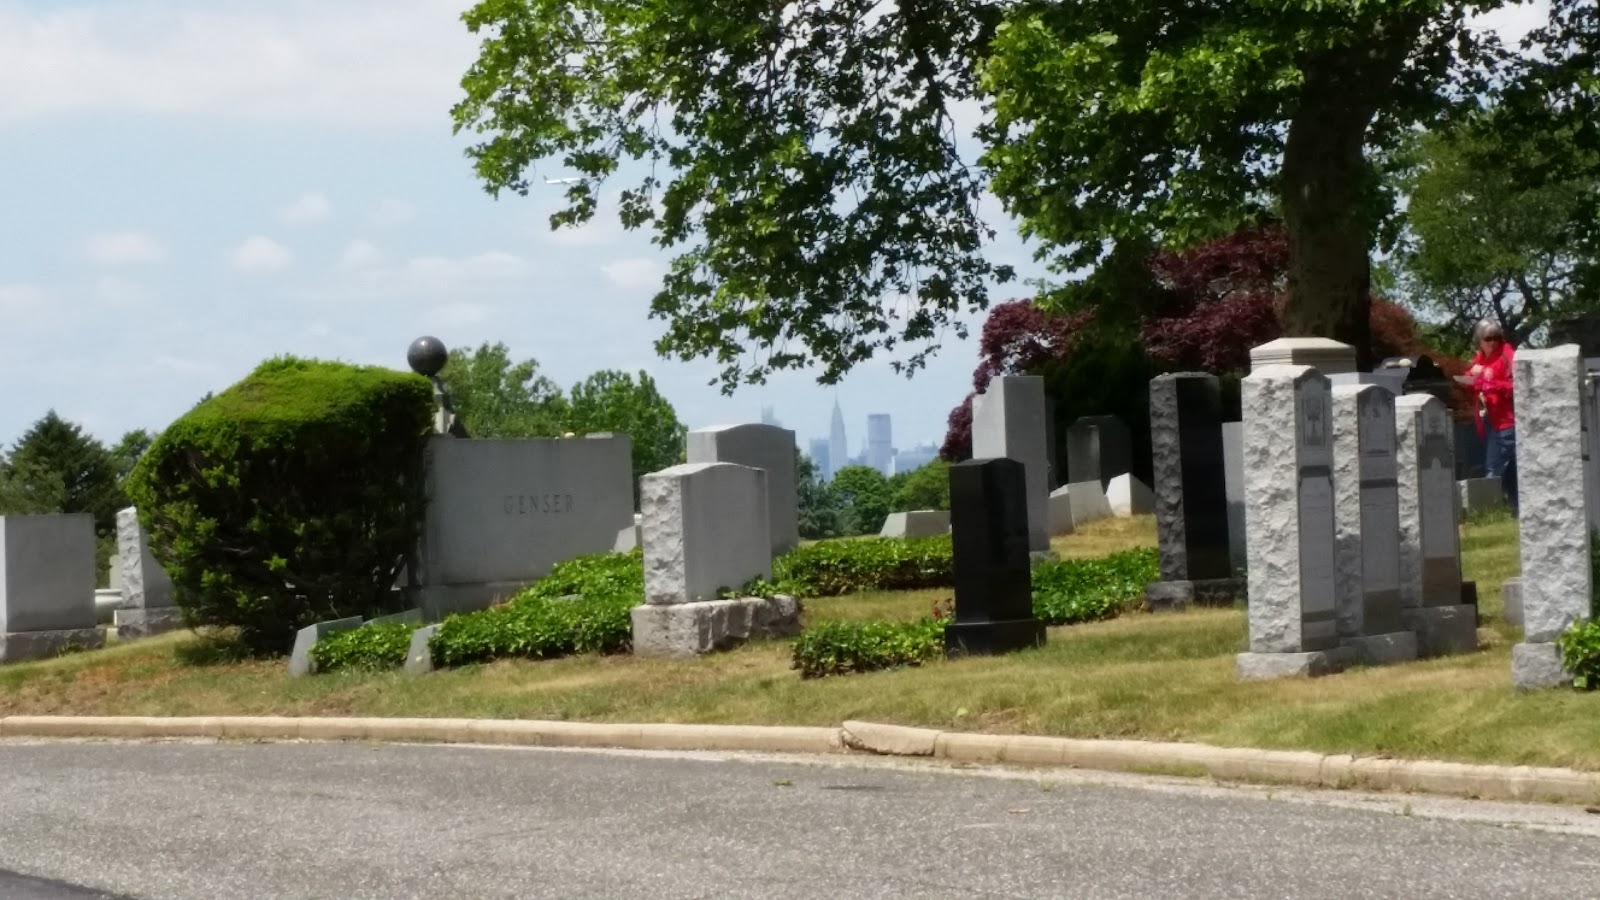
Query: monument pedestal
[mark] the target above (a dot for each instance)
(992, 638)
(1443, 630)
(1166, 596)
(1382, 649)
(140, 623)
(1535, 666)
(18, 646)
(1262, 666)
(682, 630)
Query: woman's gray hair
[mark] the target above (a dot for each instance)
(1488, 328)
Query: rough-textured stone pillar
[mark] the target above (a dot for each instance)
(705, 530)
(148, 606)
(1367, 526)
(1289, 518)
(1191, 497)
(1430, 544)
(993, 572)
(1553, 515)
(765, 447)
(1008, 422)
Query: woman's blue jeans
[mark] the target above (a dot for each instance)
(1500, 461)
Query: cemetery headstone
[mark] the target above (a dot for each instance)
(765, 447)
(1289, 517)
(1552, 515)
(1329, 357)
(1099, 448)
(705, 531)
(148, 606)
(993, 569)
(1008, 421)
(1430, 544)
(1367, 526)
(47, 578)
(1233, 475)
(1479, 494)
(1128, 496)
(501, 513)
(917, 523)
(1191, 499)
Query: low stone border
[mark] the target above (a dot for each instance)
(1304, 769)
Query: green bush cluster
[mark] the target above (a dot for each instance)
(832, 568)
(290, 498)
(543, 621)
(1085, 590)
(369, 648)
(839, 648)
(1580, 643)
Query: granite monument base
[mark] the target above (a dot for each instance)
(682, 630)
(1263, 666)
(1537, 666)
(19, 646)
(1167, 595)
(992, 638)
(1443, 630)
(140, 623)
(1382, 649)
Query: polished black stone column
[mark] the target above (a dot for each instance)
(994, 580)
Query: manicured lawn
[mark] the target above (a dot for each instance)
(1165, 677)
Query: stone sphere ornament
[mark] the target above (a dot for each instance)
(427, 356)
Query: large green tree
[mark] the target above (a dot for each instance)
(610, 400)
(866, 497)
(1486, 238)
(55, 467)
(807, 160)
(497, 398)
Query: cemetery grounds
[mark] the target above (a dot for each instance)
(1164, 677)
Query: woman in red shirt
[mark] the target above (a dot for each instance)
(1491, 380)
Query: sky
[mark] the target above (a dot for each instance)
(189, 187)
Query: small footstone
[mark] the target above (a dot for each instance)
(1168, 596)
(1443, 630)
(419, 658)
(1383, 649)
(1262, 666)
(1537, 666)
(300, 661)
(1511, 596)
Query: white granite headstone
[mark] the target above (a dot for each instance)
(1008, 420)
(765, 447)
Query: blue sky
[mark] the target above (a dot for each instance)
(188, 187)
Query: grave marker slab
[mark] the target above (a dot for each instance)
(1099, 448)
(1553, 516)
(1367, 517)
(1008, 421)
(765, 447)
(993, 569)
(1233, 473)
(705, 529)
(917, 523)
(1289, 516)
(47, 578)
(148, 606)
(1190, 493)
(1329, 357)
(501, 513)
(1430, 544)
(1128, 496)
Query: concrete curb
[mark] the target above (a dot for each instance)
(1297, 768)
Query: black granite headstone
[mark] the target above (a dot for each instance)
(1190, 477)
(1099, 448)
(993, 573)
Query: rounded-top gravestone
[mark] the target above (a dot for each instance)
(427, 356)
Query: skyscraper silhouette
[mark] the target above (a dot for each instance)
(838, 450)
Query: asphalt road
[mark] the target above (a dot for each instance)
(196, 820)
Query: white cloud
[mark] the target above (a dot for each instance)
(1514, 21)
(360, 254)
(635, 273)
(362, 62)
(390, 212)
(123, 248)
(308, 207)
(260, 254)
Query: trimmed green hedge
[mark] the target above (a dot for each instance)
(370, 648)
(832, 568)
(290, 498)
(1084, 590)
(839, 648)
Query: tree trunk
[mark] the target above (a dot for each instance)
(1328, 204)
